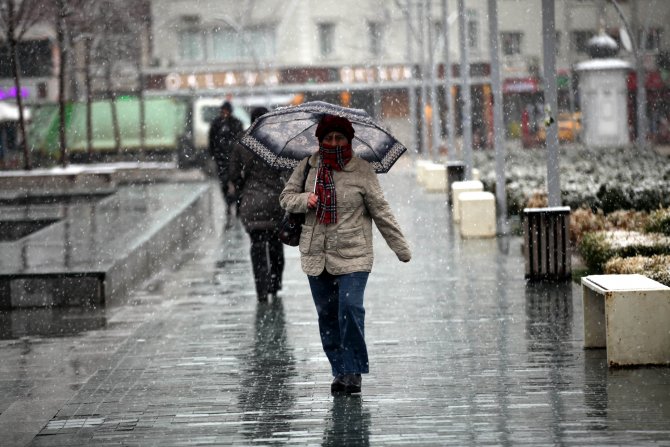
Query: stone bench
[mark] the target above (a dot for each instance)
(456, 189)
(629, 315)
(478, 214)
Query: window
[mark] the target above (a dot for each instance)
(511, 43)
(472, 29)
(260, 43)
(653, 38)
(225, 44)
(35, 57)
(256, 43)
(580, 40)
(375, 38)
(191, 45)
(326, 38)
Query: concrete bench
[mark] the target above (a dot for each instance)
(478, 214)
(630, 316)
(456, 189)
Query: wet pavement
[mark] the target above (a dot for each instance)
(463, 352)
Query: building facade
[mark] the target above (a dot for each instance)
(373, 54)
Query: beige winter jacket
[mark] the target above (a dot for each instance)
(345, 246)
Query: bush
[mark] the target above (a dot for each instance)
(609, 179)
(613, 198)
(654, 267)
(658, 222)
(599, 247)
(583, 220)
(595, 250)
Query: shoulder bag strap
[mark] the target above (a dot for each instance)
(305, 174)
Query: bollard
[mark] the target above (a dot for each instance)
(547, 243)
(456, 189)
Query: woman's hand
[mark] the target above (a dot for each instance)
(311, 200)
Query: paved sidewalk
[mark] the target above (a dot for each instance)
(462, 352)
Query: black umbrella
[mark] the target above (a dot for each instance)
(285, 136)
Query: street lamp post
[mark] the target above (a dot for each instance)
(550, 101)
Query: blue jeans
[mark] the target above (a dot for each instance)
(339, 304)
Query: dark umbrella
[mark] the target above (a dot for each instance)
(285, 136)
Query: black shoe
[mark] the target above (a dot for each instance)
(338, 385)
(352, 383)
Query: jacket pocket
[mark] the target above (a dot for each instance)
(311, 241)
(351, 243)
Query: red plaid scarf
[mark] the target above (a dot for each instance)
(332, 157)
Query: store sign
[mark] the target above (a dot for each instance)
(373, 75)
(10, 92)
(204, 81)
(521, 85)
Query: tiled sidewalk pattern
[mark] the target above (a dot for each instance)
(462, 351)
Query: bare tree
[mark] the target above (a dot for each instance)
(17, 17)
(82, 23)
(119, 45)
(60, 33)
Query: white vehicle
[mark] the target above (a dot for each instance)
(203, 110)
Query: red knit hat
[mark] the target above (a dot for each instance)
(332, 123)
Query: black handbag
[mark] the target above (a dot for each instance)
(290, 225)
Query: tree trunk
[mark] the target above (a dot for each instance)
(89, 98)
(60, 32)
(27, 162)
(111, 94)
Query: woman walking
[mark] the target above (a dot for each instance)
(336, 243)
(258, 187)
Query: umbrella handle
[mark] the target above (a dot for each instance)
(316, 176)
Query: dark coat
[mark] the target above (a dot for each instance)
(223, 135)
(259, 187)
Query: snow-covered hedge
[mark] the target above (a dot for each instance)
(598, 247)
(599, 179)
(654, 267)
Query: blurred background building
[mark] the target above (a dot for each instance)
(385, 56)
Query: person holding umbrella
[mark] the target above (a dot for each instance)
(336, 243)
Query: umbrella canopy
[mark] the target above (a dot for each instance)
(285, 136)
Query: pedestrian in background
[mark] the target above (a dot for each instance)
(336, 243)
(258, 187)
(223, 134)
